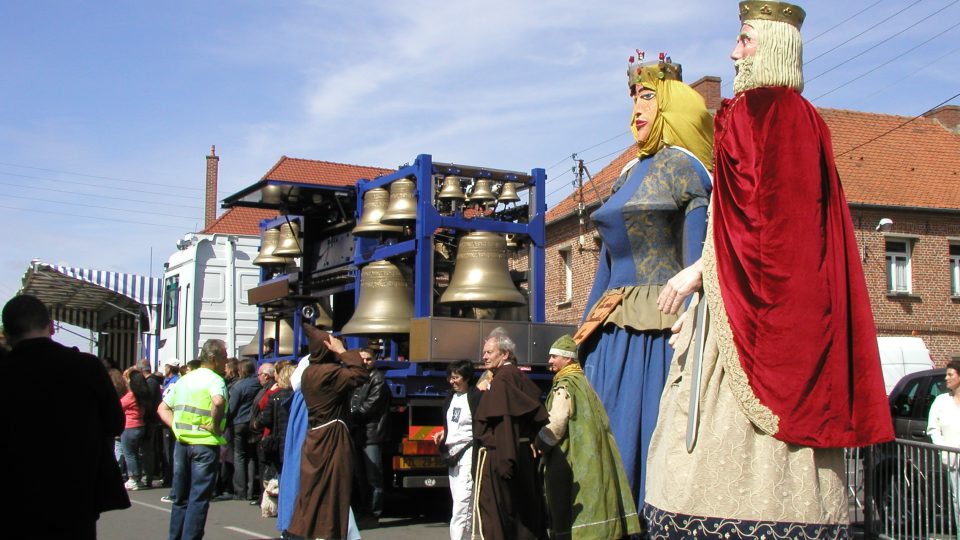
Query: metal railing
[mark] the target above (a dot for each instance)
(904, 490)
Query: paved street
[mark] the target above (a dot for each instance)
(419, 517)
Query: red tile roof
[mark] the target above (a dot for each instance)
(310, 171)
(912, 163)
(916, 164)
(240, 220)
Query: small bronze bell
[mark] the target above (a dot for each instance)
(268, 244)
(481, 277)
(482, 193)
(508, 193)
(374, 205)
(289, 243)
(269, 330)
(451, 190)
(386, 301)
(322, 311)
(403, 203)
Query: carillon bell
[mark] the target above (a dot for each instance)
(322, 311)
(386, 301)
(268, 244)
(481, 192)
(269, 330)
(375, 204)
(289, 243)
(451, 190)
(481, 277)
(272, 194)
(403, 203)
(508, 193)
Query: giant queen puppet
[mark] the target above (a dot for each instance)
(652, 226)
(777, 370)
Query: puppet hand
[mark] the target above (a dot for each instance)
(676, 328)
(437, 437)
(680, 286)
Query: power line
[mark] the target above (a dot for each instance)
(882, 42)
(192, 197)
(137, 211)
(99, 177)
(811, 40)
(897, 82)
(884, 63)
(811, 60)
(99, 196)
(861, 33)
(885, 133)
(92, 217)
(573, 155)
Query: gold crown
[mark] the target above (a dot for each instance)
(772, 11)
(651, 72)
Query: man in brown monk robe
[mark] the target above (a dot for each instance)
(322, 507)
(508, 418)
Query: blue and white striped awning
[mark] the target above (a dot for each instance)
(102, 301)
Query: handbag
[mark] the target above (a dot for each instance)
(453, 460)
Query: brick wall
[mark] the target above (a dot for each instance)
(565, 234)
(929, 313)
(947, 115)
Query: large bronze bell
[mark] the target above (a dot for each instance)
(269, 329)
(451, 190)
(482, 193)
(289, 243)
(386, 301)
(481, 277)
(268, 244)
(403, 203)
(508, 193)
(374, 205)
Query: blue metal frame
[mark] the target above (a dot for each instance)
(429, 220)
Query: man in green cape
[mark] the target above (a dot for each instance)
(588, 495)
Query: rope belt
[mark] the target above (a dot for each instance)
(321, 426)
(476, 527)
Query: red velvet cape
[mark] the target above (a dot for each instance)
(790, 274)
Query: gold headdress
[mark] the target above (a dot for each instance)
(652, 72)
(772, 11)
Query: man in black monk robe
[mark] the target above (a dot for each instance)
(508, 418)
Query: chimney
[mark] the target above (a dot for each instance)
(210, 202)
(709, 88)
(947, 116)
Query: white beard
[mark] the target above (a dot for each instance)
(744, 78)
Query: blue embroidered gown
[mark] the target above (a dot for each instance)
(653, 226)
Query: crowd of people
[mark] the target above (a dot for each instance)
(708, 393)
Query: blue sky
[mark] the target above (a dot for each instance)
(115, 104)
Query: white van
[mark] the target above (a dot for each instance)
(900, 356)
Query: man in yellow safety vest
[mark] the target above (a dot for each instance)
(194, 409)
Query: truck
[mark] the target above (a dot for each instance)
(204, 295)
(322, 282)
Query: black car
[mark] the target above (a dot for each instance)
(913, 493)
(910, 402)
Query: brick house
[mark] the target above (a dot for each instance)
(892, 168)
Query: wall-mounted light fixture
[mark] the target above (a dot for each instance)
(884, 225)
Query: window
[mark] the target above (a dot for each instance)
(898, 265)
(955, 269)
(567, 262)
(171, 301)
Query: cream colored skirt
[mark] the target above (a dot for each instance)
(738, 481)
